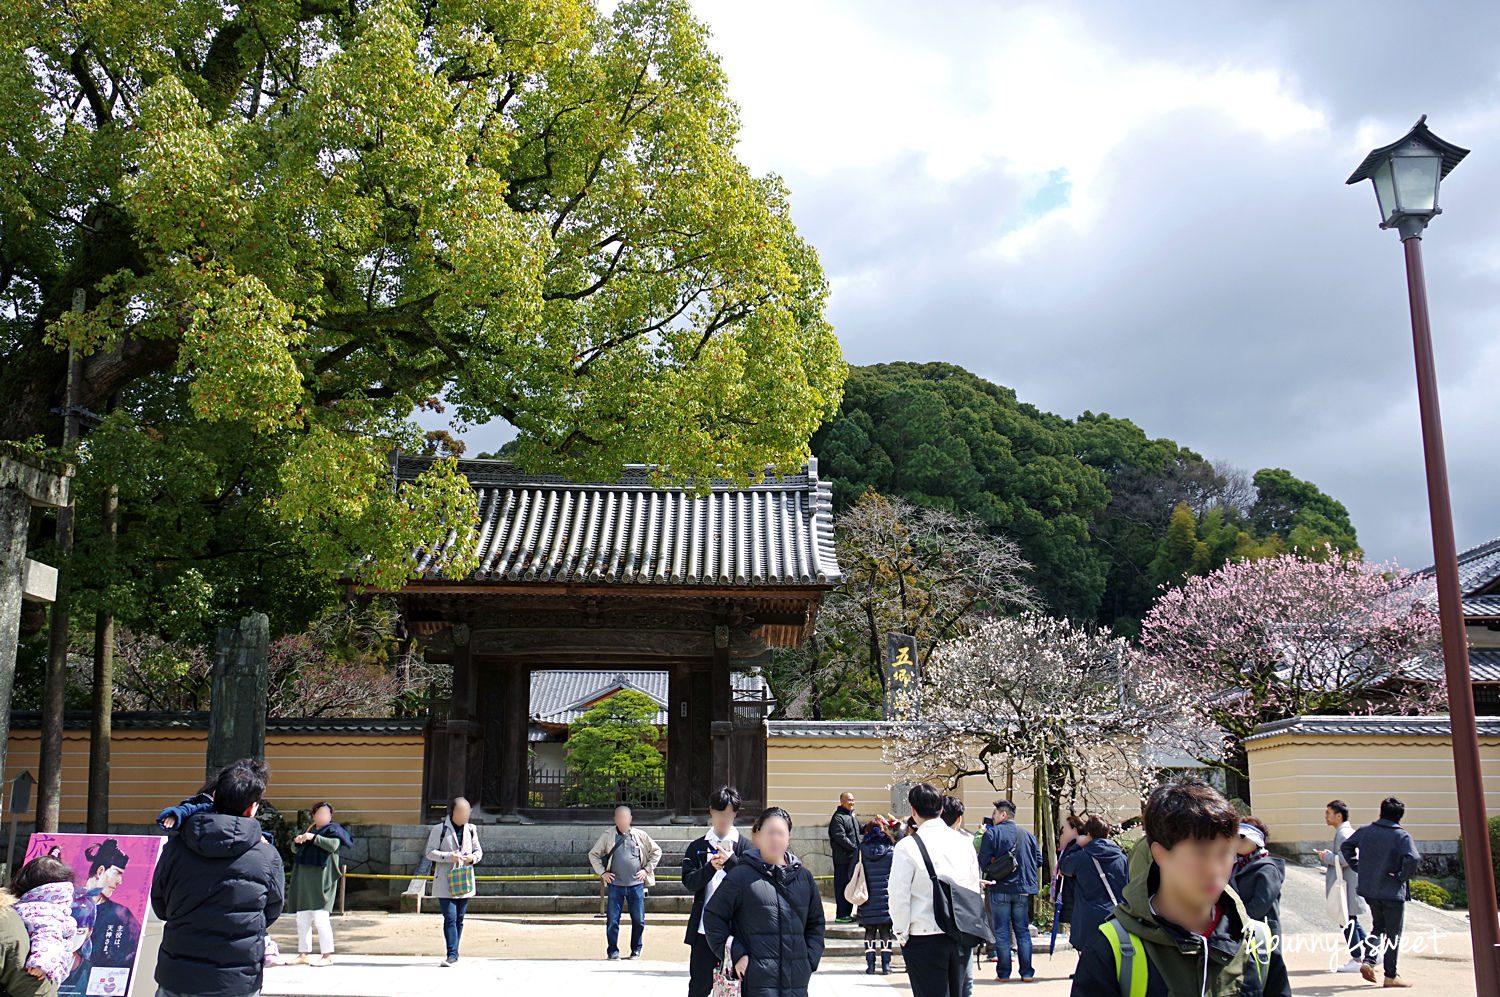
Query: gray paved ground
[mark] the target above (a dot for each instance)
(408, 976)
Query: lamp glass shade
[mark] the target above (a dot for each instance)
(1385, 192)
(1416, 182)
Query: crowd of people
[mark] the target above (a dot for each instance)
(1194, 906)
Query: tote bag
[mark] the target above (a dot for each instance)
(857, 891)
(726, 984)
(461, 876)
(460, 879)
(1337, 901)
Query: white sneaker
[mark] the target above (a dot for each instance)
(1352, 966)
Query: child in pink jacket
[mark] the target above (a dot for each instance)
(44, 891)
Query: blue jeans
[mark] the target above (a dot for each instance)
(1007, 913)
(620, 896)
(1354, 935)
(453, 923)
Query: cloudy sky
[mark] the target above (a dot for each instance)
(1140, 209)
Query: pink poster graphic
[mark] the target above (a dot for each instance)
(112, 879)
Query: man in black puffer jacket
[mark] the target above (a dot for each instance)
(218, 887)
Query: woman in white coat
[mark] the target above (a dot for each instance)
(454, 843)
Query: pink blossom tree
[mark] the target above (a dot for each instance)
(1268, 639)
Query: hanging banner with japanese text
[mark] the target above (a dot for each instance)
(900, 675)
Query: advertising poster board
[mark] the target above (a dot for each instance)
(112, 880)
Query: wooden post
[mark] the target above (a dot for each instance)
(515, 706)
(101, 727)
(679, 742)
(237, 707)
(460, 715)
(722, 716)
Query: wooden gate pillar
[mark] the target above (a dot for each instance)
(515, 710)
(722, 705)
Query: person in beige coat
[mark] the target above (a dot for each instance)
(454, 842)
(625, 857)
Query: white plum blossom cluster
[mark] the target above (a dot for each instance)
(1077, 706)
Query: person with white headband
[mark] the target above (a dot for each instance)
(1257, 878)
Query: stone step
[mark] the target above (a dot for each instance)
(547, 904)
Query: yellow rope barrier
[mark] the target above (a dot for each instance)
(562, 878)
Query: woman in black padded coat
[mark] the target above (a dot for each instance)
(769, 903)
(875, 851)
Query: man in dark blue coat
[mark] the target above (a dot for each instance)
(1386, 858)
(218, 887)
(1010, 845)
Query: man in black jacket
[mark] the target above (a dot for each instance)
(704, 864)
(1386, 858)
(218, 887)
(843, 841)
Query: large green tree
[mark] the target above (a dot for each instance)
(300, 219)
(1104, 513)
(1300, 513)
(939, 436)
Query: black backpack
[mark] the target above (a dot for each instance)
(1003, 865)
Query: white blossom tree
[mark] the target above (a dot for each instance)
(1078, 707)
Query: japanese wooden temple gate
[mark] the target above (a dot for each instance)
(588, 575)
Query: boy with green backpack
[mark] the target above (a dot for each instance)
(1179, 928)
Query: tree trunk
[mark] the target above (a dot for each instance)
(876, 664)
(814, 693)
(49, 767)
(101, 729)
(1043, 821)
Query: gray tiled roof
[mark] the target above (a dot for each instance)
(547, 528)
(1431, 726)
(1477, 567)
(1484, 665)
(560, 697)
(1482, 607)
(826, 728)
